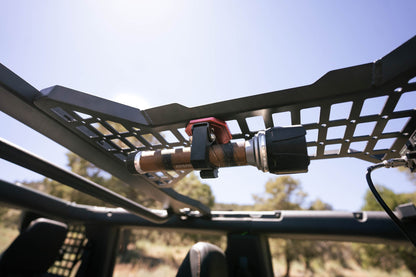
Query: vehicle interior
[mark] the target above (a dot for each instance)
(153, 149)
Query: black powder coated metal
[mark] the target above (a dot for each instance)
(25, 159)
(17, 99)
(103, 124)
(387, 78)
(104, 132)
(368, 227)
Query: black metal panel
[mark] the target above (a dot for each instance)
(112, 128)
(26, 112)
(387, 79)
(369, 227)
(11, 81)
(104, 132)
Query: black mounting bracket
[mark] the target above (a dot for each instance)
(409, 150)
(201, 141)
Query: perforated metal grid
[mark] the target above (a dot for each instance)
(366, 112)
(71, 251)
(114, 135)
(371, 122)
(370, 128)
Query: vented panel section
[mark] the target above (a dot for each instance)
(71, 252)
(115, 135)
(366, 112)
(119, 139)
(371, 129)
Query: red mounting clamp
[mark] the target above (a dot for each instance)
(219, 128)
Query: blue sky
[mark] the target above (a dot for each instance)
(151, 53)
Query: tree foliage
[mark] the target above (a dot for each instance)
(282, 193)
(392, 199)
(319, 205)
(191, 186)
(89, 171)
(285, 193)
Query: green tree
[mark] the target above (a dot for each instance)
(392, 199)
(89, 171)
(80, 167)
(282, 193)
(319, 205)
(191, 186)
(285, 193)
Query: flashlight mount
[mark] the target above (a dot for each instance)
(204, 133)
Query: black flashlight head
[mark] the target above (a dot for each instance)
(286, 150)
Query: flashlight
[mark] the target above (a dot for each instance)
(278, 150)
